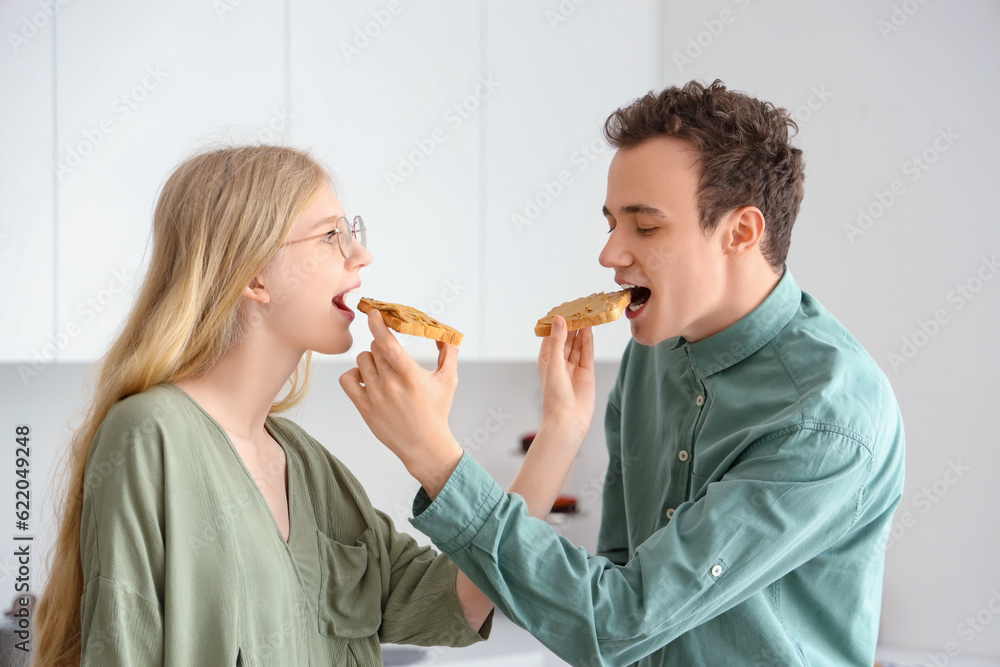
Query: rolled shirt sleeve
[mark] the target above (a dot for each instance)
(421, 605)
(790, 496)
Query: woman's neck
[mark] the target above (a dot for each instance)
(241, 388)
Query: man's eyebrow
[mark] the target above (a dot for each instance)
(638, 209)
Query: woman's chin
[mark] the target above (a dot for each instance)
(340, 346)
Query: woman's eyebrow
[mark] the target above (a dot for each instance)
(325, 222)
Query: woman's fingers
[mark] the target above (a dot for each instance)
(545, 353)
(587, 348)
(573, 358)
(568, 345)
(557, 348)
(583, 349)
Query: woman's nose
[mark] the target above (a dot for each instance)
(360, 256)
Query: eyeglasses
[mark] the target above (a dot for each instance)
(345, 233)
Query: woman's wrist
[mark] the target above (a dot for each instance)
(565, 430)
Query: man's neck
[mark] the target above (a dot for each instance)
(745, 289)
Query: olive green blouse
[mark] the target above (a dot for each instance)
(184, 564)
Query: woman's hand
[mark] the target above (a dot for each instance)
(566, 372)
(406, 406)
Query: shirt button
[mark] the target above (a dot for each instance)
(683, 455)
(716, 570)
(670, 513)
(700, 401)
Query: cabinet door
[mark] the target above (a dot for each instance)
(564, 68)
(390, 96)
(26, 187)
(139, 86)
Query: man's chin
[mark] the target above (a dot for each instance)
(647, 335)
(643, 336)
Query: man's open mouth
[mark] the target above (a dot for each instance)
(640, 295)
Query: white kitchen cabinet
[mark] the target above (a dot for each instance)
(390, 96)
(563, 68)
(466, 134)
(26, 189)
(138, 87)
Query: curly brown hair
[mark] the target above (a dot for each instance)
(745, 155)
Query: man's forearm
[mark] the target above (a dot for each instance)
(538, 481)
(434, 467)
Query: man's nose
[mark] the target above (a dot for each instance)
(614, 254)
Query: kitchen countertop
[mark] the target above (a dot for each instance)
(508, 645)
(895, 656)
(511, 645)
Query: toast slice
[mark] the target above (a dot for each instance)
(587, 311)
(407, 320)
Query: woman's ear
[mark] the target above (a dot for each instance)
(256, 290)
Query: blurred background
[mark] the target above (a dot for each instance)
(468, 136)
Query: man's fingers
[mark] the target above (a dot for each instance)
(441, 353)
(447, 357)
(448, 364)
(385, 348)
(368, 370)
(351, 383)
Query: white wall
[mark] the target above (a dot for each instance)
(877, 99)
(885, 96)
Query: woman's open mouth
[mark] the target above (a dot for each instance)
(338, 301)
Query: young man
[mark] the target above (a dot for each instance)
(756, 449)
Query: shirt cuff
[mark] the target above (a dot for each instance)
(460, 510)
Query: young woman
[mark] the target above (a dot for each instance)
(201, 528)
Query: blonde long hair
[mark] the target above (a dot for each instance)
(220, 218)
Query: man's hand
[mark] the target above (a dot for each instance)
(406, 406)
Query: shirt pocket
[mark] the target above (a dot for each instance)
(350, 592)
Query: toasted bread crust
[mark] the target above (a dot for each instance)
(588, 311)
(407, 320)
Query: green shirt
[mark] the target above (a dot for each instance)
(184, 564)
(751, 484)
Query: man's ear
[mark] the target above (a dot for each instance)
(256, 290)
(745, 229)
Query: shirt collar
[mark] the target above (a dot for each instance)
(741, 339)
